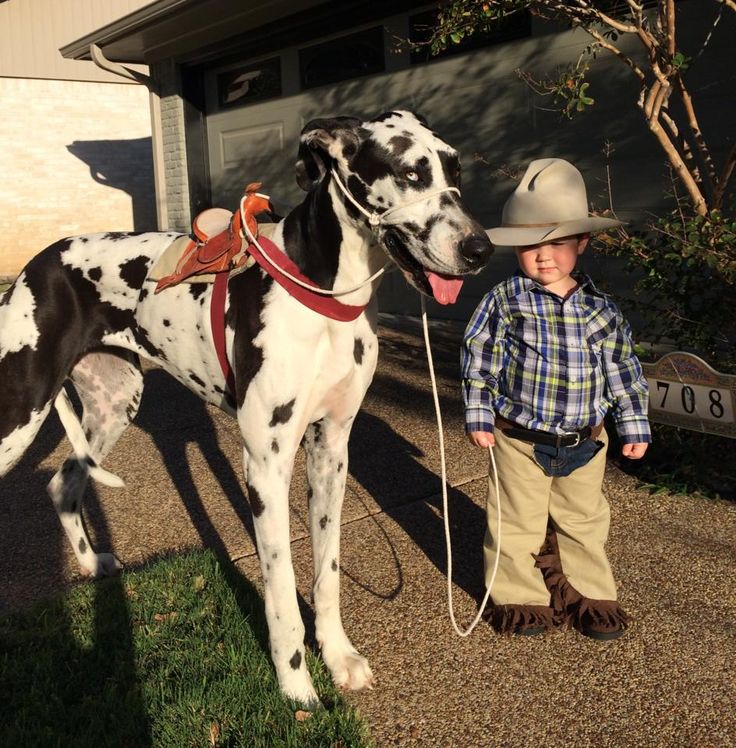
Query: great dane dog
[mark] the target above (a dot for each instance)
(82, 313)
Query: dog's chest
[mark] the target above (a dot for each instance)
(325, 365)
(341, 378)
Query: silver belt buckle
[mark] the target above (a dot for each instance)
(577, 436)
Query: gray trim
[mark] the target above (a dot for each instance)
(173, 28)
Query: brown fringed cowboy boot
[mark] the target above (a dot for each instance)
(602, 620)
(520, 620)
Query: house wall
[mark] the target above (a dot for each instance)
(76, 159)
(479, 104)
(31, 32)
(76, 141)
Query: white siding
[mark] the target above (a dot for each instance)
(31, 32)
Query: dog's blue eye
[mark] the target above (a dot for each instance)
(412, 176)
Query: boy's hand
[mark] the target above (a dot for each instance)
(634, 451)
(482, 438)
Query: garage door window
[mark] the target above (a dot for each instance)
(246, 85)
(350, 56)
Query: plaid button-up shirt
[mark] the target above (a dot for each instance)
(551, 364)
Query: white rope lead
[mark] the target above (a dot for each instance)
(374, 219)
(298, 281)
(445, 509)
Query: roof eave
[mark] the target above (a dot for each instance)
(176, 28)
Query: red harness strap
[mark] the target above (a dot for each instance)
(217, 321)
(328, 306)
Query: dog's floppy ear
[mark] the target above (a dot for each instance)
(322, 141)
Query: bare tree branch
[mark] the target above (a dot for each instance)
(670, 16)
(693, 190)
(725, 177)
(696, 131)
(661, 95)
(617, 53)
(673, 133)
(728, 3)
(624, 28)
(648, 106)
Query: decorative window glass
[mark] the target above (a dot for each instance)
(249, 84)
(515, 26)
(350, 56)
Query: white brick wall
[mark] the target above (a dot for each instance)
(75, 157)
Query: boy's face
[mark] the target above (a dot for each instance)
(551, 263)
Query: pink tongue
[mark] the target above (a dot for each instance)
(444, 287)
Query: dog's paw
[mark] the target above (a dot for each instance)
(101, 565)
(302, 692)
(350, 670)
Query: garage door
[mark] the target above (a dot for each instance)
(255, 144)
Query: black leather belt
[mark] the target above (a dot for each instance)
(570, 439)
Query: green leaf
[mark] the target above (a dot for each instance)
(680, 61)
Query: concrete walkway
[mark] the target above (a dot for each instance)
(668, 682)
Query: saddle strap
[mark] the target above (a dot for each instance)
(217, 322)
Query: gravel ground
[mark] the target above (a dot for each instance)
(668, 682)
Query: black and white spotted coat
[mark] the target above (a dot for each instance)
(83, 312)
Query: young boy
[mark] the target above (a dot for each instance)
(545, 356)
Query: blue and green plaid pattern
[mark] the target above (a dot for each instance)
(552, 364)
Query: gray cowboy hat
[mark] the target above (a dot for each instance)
(549, 203)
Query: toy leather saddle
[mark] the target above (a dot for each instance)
(218, 244)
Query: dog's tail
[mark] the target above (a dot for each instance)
(79, 442)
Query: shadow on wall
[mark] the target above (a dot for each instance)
(125, 165)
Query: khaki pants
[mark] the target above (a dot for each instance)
(579, 513)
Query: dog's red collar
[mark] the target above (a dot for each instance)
(327, 306)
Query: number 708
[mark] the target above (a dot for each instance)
(687, 399)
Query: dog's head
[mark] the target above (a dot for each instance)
(408, 178)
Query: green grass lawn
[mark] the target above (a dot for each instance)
(173, 655)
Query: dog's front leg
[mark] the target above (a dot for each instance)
(326, 446)
(268, 474)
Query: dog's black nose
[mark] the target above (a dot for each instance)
(476, 249)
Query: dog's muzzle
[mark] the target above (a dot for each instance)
(475, 249)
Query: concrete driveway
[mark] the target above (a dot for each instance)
(668, 682)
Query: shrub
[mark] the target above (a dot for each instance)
(685, 266)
